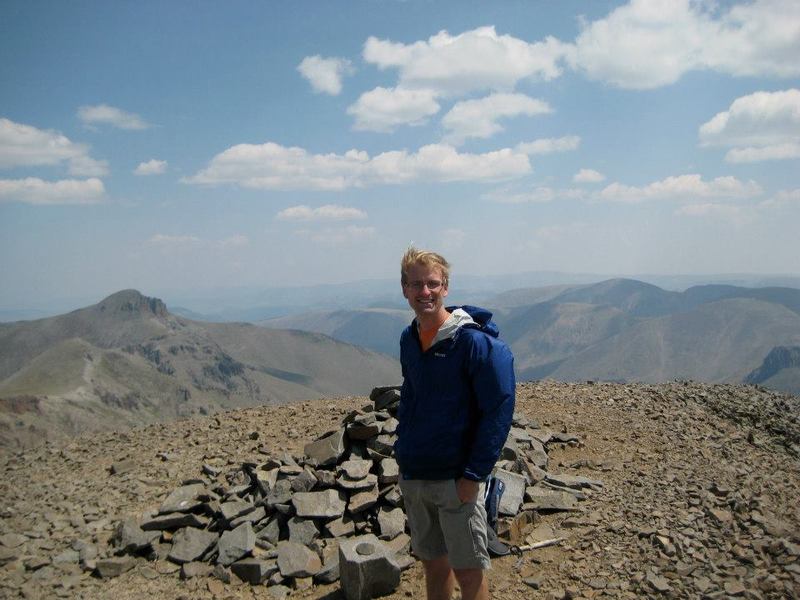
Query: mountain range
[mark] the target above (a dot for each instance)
(127, 360)
(619, 330)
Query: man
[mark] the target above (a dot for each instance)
(456, 406)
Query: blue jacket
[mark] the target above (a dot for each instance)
(457, 399)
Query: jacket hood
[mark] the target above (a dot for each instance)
(466, 316)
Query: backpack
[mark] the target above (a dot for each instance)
(491, 502)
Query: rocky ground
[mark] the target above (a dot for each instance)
(700, 495)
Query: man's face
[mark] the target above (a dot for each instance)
(424, 289)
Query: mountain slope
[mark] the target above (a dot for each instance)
(718, 341)
(127, 361)
(378, 329)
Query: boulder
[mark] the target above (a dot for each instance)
(189, 544)
(183, 499)
(367, 568)
(253, 570)
(295, 560)
(236, 544)
(325, 504)
(514, 493)
(328, 449)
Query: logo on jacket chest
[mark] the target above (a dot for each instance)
(440, 355)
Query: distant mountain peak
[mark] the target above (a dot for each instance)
(132, 302)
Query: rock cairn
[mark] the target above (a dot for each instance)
(290, 522)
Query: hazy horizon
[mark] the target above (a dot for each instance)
(259, 145)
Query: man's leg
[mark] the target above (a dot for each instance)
(439, 579)
(473, 584)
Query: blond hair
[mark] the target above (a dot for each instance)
(414, 256)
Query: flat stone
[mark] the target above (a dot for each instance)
(122, 466)
(325, 504)
(174, 521)
(253, 516)
(388, 397)
(236, 544)
(304, 482)
(302, 531)
(115, 566)
(383, 444)
(328, 449)
(129, 538)
(734, 587)
(537, 454)
(266, 479)
(271, 531)
(514, 493)
(367, 568)
(368, 482)
(573, 481)
(13, 540)
(400, 544)
(355, 469)
(253, 570)
(390, 425)
(281, 493)
(278, 592)
(329, 572)
(183, 499)
(388, 471)
(362, 432)
(235, 508)
(341, 527)
(33, 563)
(659, 583)
(189, 544)
(195, 569)
(541, 498)
(362, 501)
(295, 560)
(391, 522)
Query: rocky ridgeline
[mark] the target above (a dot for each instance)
(290, 522)
(698, 500)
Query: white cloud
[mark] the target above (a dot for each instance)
(682, 187)
(338, 236)
(709, 209)
(537, 195)
(383, 109)
(325, 74)
(588, 176)
(550, 145)
(760, 126)
(33, 190)
(151, 167)
(235, 241)
(475, 60)
(327, 212)
(650, 43)
(271, 166)
(162, 239)
(775, 152)
(478, 118)
(27, 146)
(782, 198)
(103, 114)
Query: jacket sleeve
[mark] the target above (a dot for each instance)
(491, 374)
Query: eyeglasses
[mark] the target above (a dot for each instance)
(431, 284)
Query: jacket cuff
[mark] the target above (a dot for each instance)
(472, 476)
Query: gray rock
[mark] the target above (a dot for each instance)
(367, 568)
(355, 469)
(390, 425)
(510, 450)
(236, 544)
(183, 499)
(514, 493)
(174, 521)
(362, 501)
(304, 482)
(341, 527)
(542, 498)
(383, 445)
(302, 531)
(368, 482)
(386, 399)
(325, 479)
(271, 532)
(394, 496)
(253, 570)
(265, 479)
(281, 493)
(391, 522)
(114, 567)
(325, 504)
(329, 572)
(327, 450)
(573, 481)
(195, 569)
(13, 540)
(537, 454)
(129, 538)
(122, 466)
(278, 592)
(295, 560)
(388, 471)
(252, 517)
(235, 508)
(189, 544)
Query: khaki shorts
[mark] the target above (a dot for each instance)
(442, 525)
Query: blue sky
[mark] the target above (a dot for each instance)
(195, 145)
